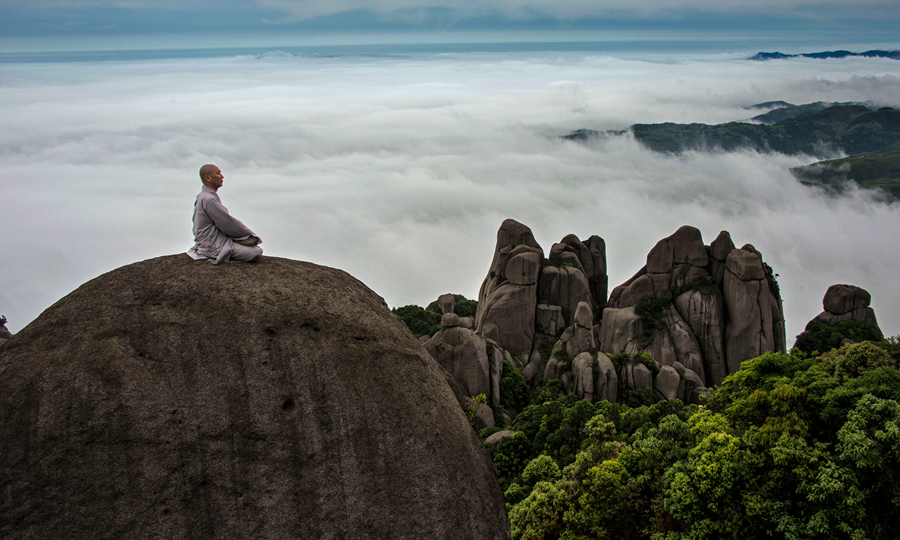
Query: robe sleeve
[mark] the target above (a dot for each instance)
(230, 226)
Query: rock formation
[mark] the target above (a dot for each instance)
(507, 300)
(708, 308)
(842, 303)
(464, 355)
(699, 310)
(178, 399)
(845, 302)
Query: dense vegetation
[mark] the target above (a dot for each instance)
(792, 446)
(814, 129)
(427, 321)
(879, 171)
(820, 337)
(851, 129)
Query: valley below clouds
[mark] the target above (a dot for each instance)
(400, 169)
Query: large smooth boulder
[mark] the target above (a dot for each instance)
(183, 400)
(840, 299)
(667, 383)
(844, 302)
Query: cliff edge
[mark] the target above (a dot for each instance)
(177, 399)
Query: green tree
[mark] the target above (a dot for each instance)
(420, 321)
(820, 337)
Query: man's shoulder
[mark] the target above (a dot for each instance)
(208, 194)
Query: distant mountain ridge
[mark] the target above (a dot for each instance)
(816, 129)
(878, 171)
(821, 129)
(893, 55)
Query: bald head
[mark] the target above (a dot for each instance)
(207, 170)
(211, 176)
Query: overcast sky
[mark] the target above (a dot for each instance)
(400, 169)
(89, 24)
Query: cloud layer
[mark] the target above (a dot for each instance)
(400, 170)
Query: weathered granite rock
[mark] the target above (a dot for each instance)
(576, 273)
(508, 317)
(565, 287)
(598, 279)
(845, 302)
(584, 318)
(579, 337)
(620, 330)
(731, 306)
(751, 309)
(484, 417)
(179, 399)
(553, 369)
(641, 377)
(550, 319)
(675, 254)
(607, 380)
(583, 375)
(530, 371)
(704, 315)
(840, 299)
(674, 261)
(666, 383)
(463, 353)
(691, 382)
(446, 303)
(718, 251)
(675, 343)
(684, 343)
(699, 396)
(507, 300)
(642, 287)
(450, 320)
(661, 348)
(499, 436)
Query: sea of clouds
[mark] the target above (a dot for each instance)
(400, 169)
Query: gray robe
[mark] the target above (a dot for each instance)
(214, 229)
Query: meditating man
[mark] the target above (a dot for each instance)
(219, 237)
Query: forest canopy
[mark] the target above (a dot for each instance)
(791, 446)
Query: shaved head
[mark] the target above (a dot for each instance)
(211, 176)
(207, 170)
